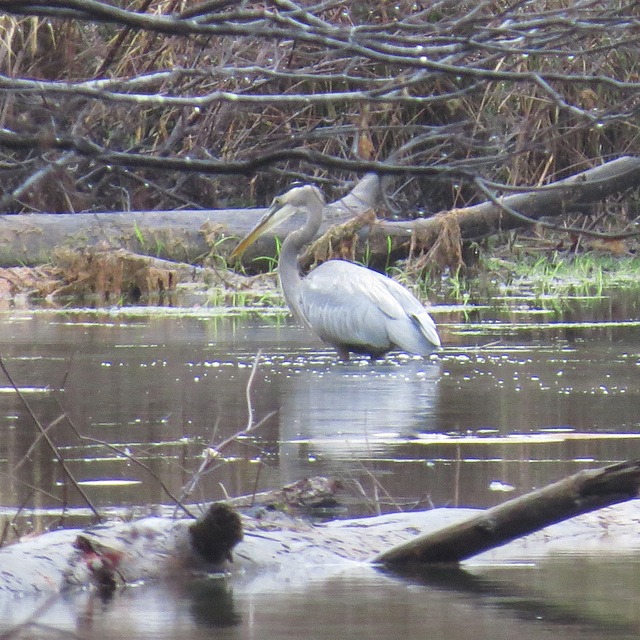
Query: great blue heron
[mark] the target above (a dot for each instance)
(349, 306)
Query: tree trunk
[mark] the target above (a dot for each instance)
(192, 236)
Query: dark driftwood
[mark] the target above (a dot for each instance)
(278, 550)
(189, 236)
(580, 493)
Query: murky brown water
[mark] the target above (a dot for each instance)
(521, 396)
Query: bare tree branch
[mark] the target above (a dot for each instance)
(85, 147)
(524, 93)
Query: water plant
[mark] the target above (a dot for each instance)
(138, 233)
(587, 273)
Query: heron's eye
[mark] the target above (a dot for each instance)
(277, 202)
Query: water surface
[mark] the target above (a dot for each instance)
(520, 396)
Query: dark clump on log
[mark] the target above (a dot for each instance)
(214, 535)
(102, 565)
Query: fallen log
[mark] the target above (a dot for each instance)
(555, 199)
(198, 237)
(180, 236)
(271, 548)
(582, 492)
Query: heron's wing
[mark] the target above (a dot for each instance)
(348, 304)
(342, 314)
(412, 309)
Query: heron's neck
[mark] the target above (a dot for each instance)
(290, 277)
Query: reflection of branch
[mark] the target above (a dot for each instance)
(10, 524)
(247, 391)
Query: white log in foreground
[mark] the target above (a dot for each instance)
(286, 552)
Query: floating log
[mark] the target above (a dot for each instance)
(278, 550)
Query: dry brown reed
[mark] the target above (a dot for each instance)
(534, 123)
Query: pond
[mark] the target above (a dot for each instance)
(526, 391)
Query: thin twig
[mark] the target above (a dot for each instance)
(36, 441)
(152, 473)
(211, 454)
(49, 441)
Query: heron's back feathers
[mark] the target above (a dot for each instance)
(350, 306)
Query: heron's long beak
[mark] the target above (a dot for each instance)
(249, 239)
(276, 214)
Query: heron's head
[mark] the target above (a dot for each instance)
(282, 208)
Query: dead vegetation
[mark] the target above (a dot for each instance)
(169, 104)
(521, 94)
(102, 275)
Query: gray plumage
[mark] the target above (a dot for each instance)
(348, 306)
